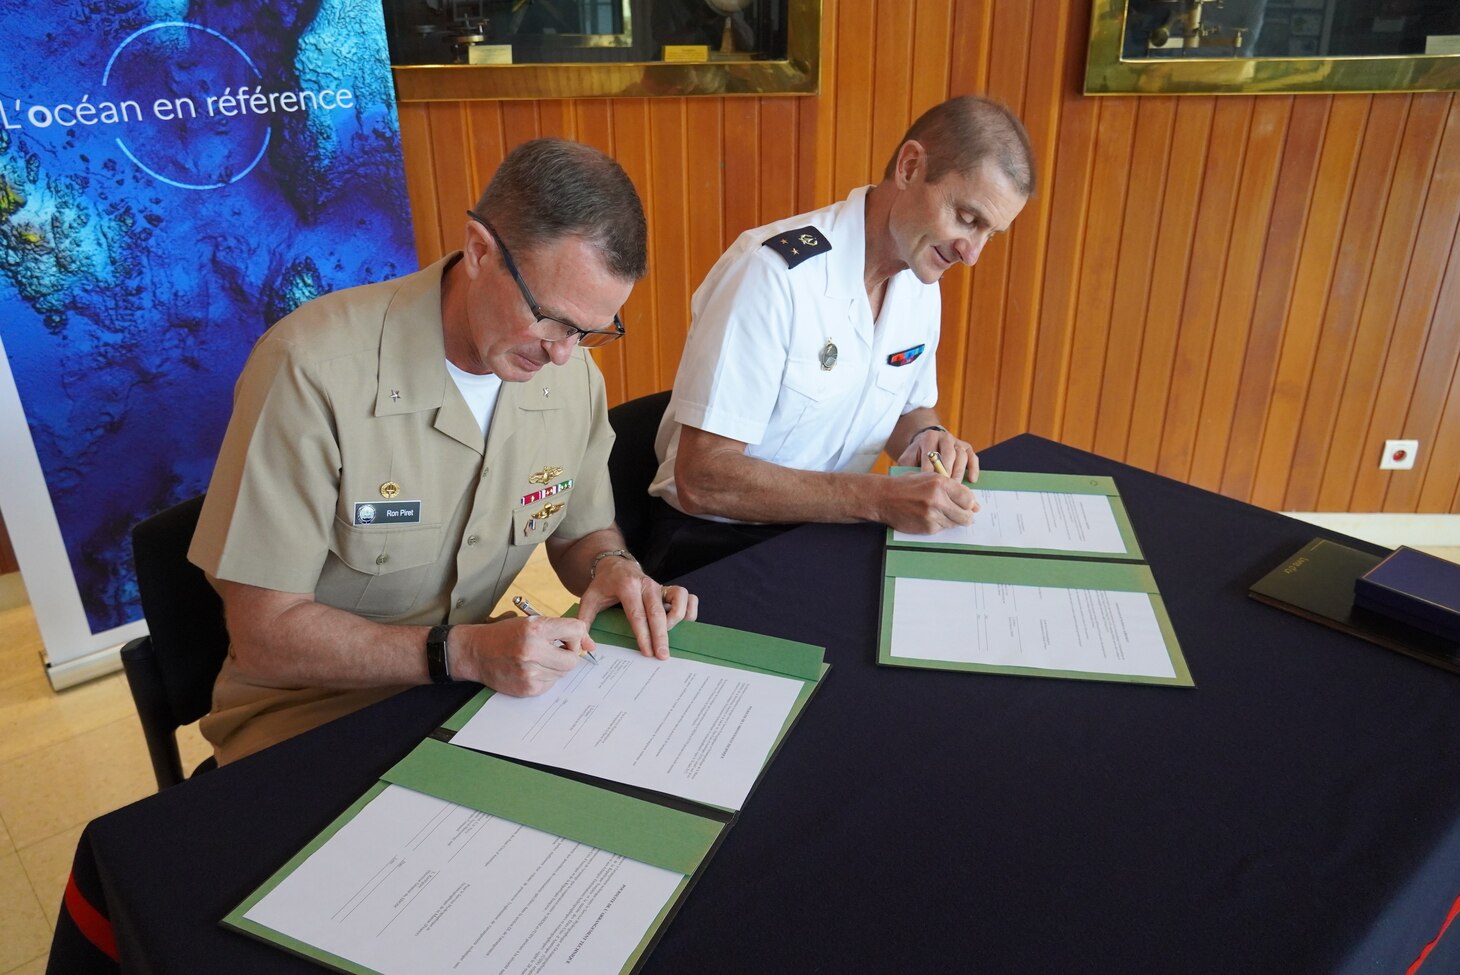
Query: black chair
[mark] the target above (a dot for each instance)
(632, 464)
(172, 669)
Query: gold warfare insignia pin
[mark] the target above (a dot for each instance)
(389, 490)
(544, 475)
(827, 356)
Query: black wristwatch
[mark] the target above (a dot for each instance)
(436, 663)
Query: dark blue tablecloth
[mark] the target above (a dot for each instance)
(1297, 812)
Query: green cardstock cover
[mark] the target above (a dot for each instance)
(722, 644)
(1053, 573)
(1050, 483)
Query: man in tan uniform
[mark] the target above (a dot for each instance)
(397, 450)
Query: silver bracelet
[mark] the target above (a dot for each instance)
(925, 430)
(616, 552)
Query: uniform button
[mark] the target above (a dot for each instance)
(460, 603)
(471, 539)
(382, 559)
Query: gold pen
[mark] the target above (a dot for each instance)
(937, 460)
(521, 603)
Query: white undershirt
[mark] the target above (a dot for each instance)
(480, 393)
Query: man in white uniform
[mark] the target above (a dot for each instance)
(812, 350)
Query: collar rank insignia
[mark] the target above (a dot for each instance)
(906, 356)
(799, 244)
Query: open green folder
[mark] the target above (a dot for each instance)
(1090, 610)
(620, 828)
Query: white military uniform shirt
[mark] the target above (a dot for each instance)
(753, 368)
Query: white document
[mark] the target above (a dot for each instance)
(1035, 519)
(416, 884)
(677, 726)
(1085, 630)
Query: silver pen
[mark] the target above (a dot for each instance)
(521, 603)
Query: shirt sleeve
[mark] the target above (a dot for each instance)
(267, 517)
(731, 371)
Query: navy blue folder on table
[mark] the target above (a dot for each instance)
(1298, 812)
(1416, 588)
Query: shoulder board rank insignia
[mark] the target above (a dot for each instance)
(799, 244)
(906, 356)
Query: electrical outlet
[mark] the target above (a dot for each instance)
(1398, 455)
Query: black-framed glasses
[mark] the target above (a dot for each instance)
(552, 329)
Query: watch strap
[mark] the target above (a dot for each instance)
(436, 663)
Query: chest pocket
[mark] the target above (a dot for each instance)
(533, 523)
(378, 571)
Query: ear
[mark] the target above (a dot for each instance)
(912, 162)
(477, 248)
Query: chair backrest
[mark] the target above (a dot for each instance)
(632, 464)
(171, 672)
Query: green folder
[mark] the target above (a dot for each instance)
(667, 832)
(1068, 569)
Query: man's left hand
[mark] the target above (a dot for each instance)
(652, 609)
(957, 455)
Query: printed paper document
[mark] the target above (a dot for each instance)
(417, 884)
(679, 726)
(1035, 520)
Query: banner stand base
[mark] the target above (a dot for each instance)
(69, 673)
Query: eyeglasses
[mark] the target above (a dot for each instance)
(549, 328)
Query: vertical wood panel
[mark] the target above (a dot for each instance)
(1246, 292)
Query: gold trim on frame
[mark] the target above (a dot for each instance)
(798, 74)
(1106, 73)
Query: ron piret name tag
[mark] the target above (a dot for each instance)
(387, 512)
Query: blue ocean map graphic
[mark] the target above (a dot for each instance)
(174, 178)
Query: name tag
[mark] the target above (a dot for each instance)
(387, 512)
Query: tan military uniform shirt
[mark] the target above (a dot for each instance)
(353, 469)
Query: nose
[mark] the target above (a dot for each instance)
(559, 351)
(969, 248)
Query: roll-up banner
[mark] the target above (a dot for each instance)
(174, 178)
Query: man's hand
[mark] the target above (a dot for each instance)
(925, 503)
(958, 456)
(652, 609)
(521, 656)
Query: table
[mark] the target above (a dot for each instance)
(1297, 812)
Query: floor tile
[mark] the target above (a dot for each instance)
(74, 781)
(34, 717)
(36, 966)
(24, 933)
(48, 864)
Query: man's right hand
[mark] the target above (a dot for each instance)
(924, 503)
(518, 655)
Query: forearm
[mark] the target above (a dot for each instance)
(907, 427)
(732, 485)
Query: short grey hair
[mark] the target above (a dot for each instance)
(548, 189)
(962, 132)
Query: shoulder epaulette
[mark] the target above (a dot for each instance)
(799, 244)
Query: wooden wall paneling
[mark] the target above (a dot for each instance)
(1070, 188)
(1028, 240)
(1282, 251)
(779, 148)
(452, 146)
(639, 353)
(972, 39)
(816, 122)
(1436, 388)
(667, 203)
(704, 135)
(1351, 454)
(520, 122)
(1102, 231)
(1401, 408)
(891, 83)
(1362, 215)
(931, 58)
(1171, 264)
(742, 151)
(416, 153)
(1245, 254)
(1134, 272)
(856, 51)
(989, 301)
(488, 149)
(1203, 284)
(1312, 283)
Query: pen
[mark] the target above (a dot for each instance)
(521, 603)
(937, 460)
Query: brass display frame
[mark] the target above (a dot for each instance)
(798, 74)
(1107, 73)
